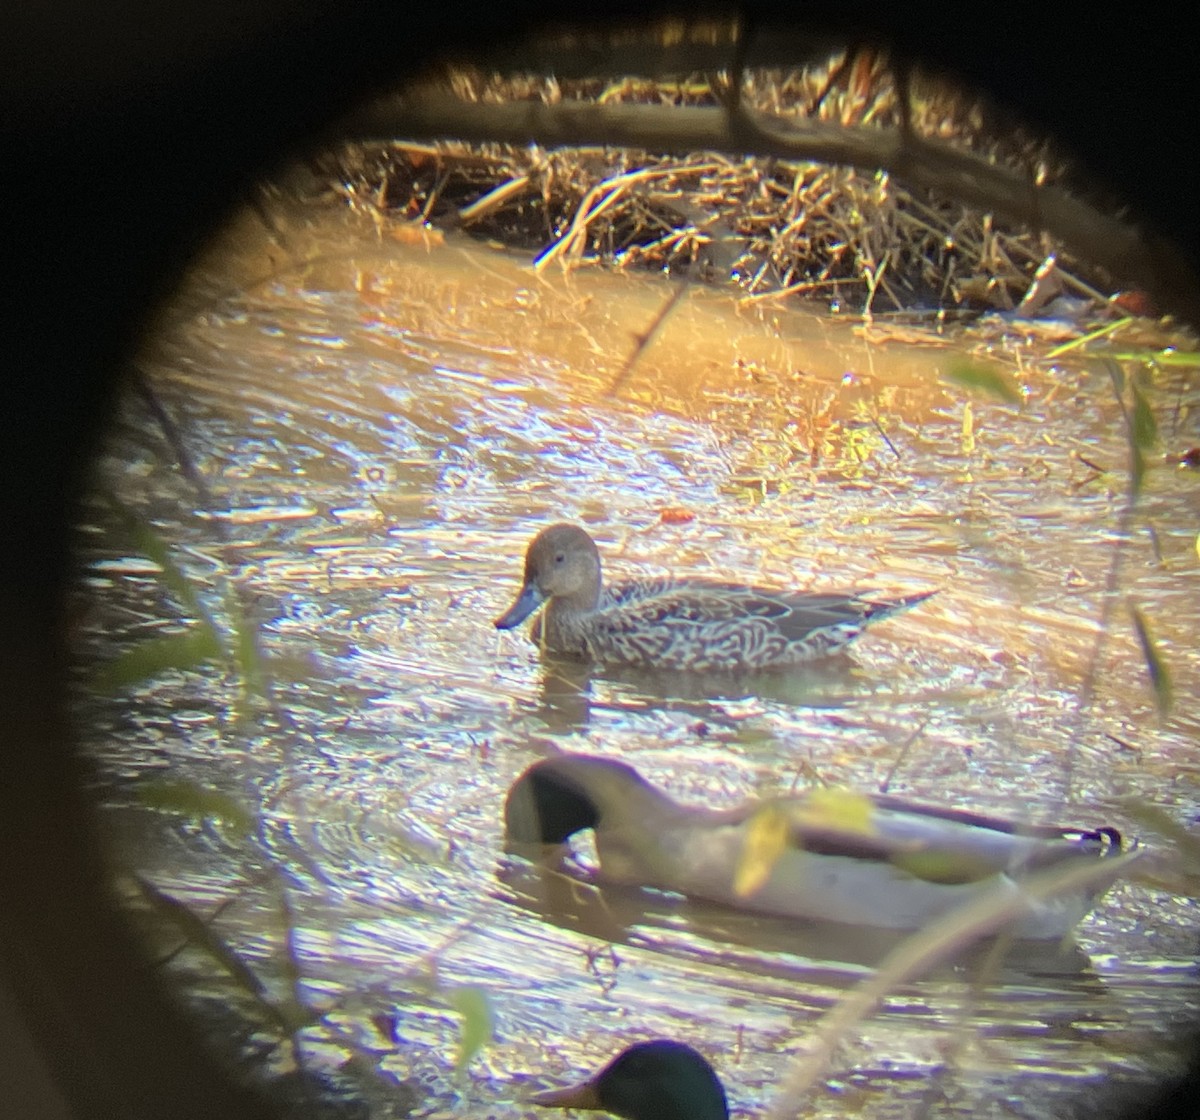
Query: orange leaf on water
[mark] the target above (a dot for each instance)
(1136, 303)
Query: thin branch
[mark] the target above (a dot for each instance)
(646, 337)
(938, 941)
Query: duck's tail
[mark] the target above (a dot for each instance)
(885, 608)
(1104, 842)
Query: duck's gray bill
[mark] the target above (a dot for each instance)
(527, 602)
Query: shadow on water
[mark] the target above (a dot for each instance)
(571, 691)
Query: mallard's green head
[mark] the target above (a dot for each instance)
(659, 1080)
(557, 797)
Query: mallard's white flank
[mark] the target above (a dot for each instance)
(900, 867)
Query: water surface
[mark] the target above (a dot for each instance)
(382, 425)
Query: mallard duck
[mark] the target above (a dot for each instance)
(659, 1080)
(868, 861)
(675, 625)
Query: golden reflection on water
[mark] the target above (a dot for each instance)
(384, 425)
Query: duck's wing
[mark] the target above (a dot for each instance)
(689, 625)
(647, 602)
(946, 845)
(812, 613)
(794, 614)
(697, 624)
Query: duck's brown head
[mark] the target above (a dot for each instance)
(562, 563)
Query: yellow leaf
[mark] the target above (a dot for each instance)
(841, 809)
(944, 867)
(766, 840)
(478, 1023)
(968, 429)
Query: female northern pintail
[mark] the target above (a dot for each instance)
(671, 624)
(869, 861)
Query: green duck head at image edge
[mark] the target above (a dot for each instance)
(671, 624)
(869, 861)
(657, 1080)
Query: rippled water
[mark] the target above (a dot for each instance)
(384, 426)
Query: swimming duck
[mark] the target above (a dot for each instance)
(869, 861)
(659, 1080)
(676, 625)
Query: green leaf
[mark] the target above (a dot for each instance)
(244, 642)
(1157, 820)
(197, 803)
(1141, 431)
(1144, 426)
(477, 1022)
(1117, 372)
(187, 650)
(984, 379)
(1156, 667)
(245, 652)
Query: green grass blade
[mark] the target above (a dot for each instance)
(1145, 427)
(253, 672)
(1076, 343)
(147, 659)
(292, 1009)
(937, 942)
(1156, 667)
(1163, 359)
(197, 803)
(1137, 471)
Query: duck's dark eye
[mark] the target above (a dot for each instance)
(560, 557)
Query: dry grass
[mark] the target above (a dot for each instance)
(773, 227)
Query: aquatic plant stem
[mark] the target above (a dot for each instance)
(914, 956)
